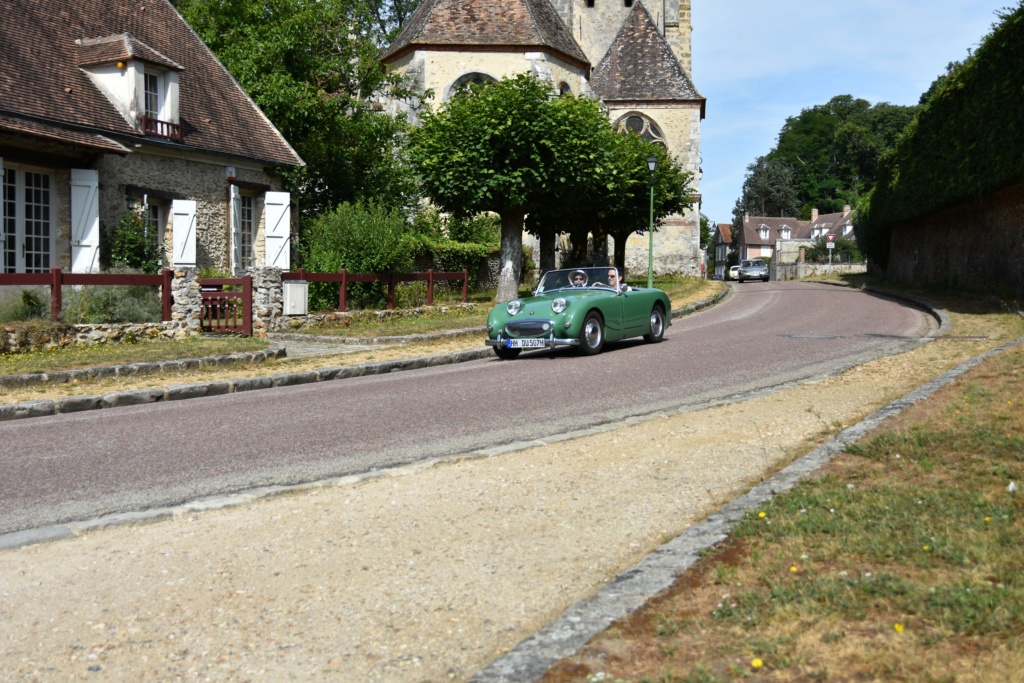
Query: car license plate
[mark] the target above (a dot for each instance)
(525, 343)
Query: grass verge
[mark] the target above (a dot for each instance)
(901, 561)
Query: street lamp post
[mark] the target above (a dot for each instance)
(652, 165)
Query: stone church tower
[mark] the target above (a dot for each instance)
(634, 55)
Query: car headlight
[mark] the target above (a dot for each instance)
(558, 305)
(514, 306)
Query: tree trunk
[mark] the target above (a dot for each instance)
(600, 246)
(620, 254)
(548, 240)
(578, 255)
(511, 254)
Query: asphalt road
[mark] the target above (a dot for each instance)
(82, 465)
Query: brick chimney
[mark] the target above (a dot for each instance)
(814, 215)
(746, 218)
(846, 209)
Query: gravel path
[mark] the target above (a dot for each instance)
(426, 573)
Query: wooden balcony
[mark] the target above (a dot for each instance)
(161, 129)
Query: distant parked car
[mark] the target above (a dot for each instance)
(734, 273)
(754, 269)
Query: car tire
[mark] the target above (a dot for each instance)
(657, 332)
(740, 280)
(592, 335)
(506, 354)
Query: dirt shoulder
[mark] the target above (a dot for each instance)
(425, 573)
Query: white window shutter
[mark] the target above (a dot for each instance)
(85, 220)
(236, 229)
(278, 233)
(183, 231)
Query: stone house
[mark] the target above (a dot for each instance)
(111, 106)
(723, 248)
(634, 56)
(760, 234)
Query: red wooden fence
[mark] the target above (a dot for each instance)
(344, 277)
(56, 279)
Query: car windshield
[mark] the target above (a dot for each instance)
(605, 277)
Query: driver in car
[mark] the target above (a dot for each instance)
(613, 280)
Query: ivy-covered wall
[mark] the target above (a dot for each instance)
(976, 245)
(965, 144)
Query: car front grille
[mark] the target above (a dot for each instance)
(527, 328)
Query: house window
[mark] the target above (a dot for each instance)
(159, 115)
(28, 222)
(786, 233)
(248, 230)
(152, 96)
(155, 228)
(590, 3)
(763, 233)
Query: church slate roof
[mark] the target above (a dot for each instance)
(640, 65)
(486, 24)
(41, 80)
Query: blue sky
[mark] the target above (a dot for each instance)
(759, 62)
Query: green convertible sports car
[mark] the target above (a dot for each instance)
(581, 307)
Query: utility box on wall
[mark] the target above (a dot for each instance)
(296, 297)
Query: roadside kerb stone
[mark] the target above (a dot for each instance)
(127, 370)
(532, 657)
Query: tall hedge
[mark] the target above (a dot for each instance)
(965, 143)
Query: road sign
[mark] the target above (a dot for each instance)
(831, 237)
(831, 245)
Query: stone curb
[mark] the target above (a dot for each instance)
(64, 376)
(174, 392)
(632, 589)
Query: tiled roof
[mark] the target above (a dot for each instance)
(41, 80)
(753, 224)
(486, 24)
(640, 65)
(725, 233)
(120, 47)
(77, 138)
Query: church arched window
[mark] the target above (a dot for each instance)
(642, 126)
(463, 82)
(564, 89)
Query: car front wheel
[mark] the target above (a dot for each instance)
(592, 335)
(657, 332)
(506, 353)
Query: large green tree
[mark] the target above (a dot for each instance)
(769, 189)
(834, 150)
(512, 148)
(312, 66)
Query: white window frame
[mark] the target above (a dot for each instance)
(16, 204)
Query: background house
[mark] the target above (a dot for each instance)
(110, 106)
(634, 56)
(723, 248)
(759, 235)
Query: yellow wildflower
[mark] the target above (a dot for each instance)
(756, 663)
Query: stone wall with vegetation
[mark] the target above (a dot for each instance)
(977, 245)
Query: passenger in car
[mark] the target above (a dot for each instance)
(578, 278)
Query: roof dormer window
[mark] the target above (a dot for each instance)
(140, 81)
(786, 233)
